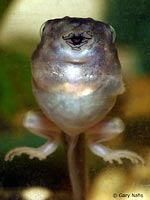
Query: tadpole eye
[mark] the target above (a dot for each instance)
(76, 40)
(113, 34)
(42, 28)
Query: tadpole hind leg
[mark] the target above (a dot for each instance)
(104, 131)
(37, 123)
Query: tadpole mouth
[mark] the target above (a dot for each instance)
(76, 40)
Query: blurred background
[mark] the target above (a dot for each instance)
(20, 23)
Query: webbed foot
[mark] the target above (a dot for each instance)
(40, 152)
(116, 155)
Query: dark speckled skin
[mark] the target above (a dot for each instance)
(76, 72)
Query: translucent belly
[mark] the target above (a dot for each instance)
(72, 112)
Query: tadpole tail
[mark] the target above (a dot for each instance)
(77, 166)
